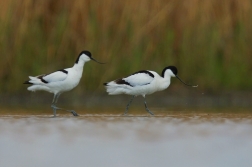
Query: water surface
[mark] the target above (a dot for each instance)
(177, 140)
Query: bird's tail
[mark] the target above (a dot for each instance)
(34, 81)
(33, 78)
(27, 82)
(36, 84)
(113, 89)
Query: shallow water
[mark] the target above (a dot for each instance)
(194, 140)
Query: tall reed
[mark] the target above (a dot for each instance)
(209, 41)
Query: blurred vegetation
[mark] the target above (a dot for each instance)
(209, 41)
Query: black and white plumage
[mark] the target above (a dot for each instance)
(60, 81)
(143, 83)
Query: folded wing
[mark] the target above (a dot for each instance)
(60, 75)
(57, 76)
(139, 78)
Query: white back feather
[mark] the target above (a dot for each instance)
(55, 76)
(139, 79)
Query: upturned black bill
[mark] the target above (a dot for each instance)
(185, 83)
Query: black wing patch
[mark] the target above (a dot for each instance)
(42, 79)
(146, 72)
(121, 81)
(64, 71)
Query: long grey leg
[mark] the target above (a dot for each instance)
(57, 97)
(55, 108)
(53, 104)
(127, 107)
(146, 108)
(54, 97)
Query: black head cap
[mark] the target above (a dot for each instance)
(172, 68)
(83, 52)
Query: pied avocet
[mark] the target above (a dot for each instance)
(142, 83)
(61, 81)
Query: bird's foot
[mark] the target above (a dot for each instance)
(146, 108)
(73, 112)
(149, 112)
(125, 113)
(57, 108)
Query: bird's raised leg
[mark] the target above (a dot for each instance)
(127, 107)
(55, 108)
(146, 108)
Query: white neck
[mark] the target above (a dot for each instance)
(79, 66)
(165, 82)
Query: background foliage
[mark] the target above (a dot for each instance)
(209, 41)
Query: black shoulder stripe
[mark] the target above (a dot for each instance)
(121, 81)
(42, 79)
(146, 72)
(64, 71)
